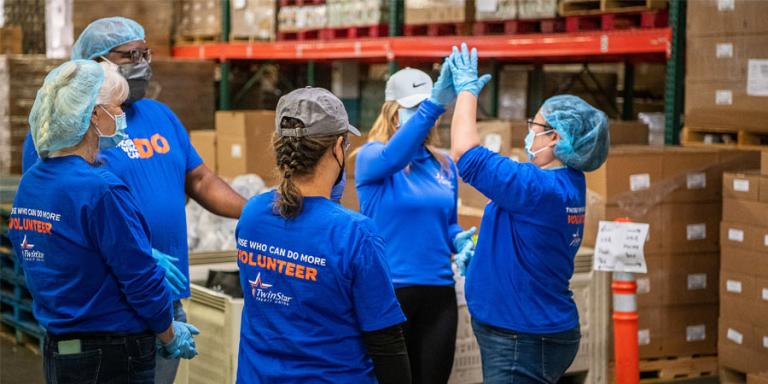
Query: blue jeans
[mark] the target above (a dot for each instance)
(165, 372)
(522, 358)
(105, 358)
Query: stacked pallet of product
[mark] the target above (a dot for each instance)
(29, 15)
(253, 19)
(726, 83)
(743, 345)
(677, 191)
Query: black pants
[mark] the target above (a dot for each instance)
(430, 330)
(114, 359)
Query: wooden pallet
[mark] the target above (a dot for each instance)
(594, 7)
(288, 3)
(732, 376)
(616, 21)
(356, 32)
(197, 39)
(678, 368)
(724, 138)
(309, 34)
(442, 29)
(515, 27)
(248, 39)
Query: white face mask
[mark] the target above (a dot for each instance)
(406, 114)
(529, 143)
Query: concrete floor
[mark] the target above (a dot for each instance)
(18, 364)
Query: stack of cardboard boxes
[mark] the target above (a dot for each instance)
(743, 344)
(677, 191)
(726, 85)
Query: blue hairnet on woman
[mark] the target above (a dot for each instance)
(517, 286)
(83, 243)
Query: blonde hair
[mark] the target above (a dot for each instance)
(114, 90)
(385, 127)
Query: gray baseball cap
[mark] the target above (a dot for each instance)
(408, 87)
(321, 111)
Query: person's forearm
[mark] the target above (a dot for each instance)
(216, 196)
(389, 354)
(167, 335)
(464, 135)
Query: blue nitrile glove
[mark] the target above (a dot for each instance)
(173, 275)
(182, 345)
(338, 189)
(463, 258)
(443, 93)
(464, 71)
(462, 238)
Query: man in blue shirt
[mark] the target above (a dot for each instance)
(157, 162)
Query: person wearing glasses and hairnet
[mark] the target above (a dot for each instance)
(156, 161)
(517, 287)
(83, 243)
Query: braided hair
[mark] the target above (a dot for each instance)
(296, 157)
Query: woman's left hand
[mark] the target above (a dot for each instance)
(443, 92)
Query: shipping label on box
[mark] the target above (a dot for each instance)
(744, 186)
(757, 78)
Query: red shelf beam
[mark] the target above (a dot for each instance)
(586, 45)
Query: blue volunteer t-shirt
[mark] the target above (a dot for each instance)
(412, 200)
(154, 164)
(519, 277)
(312, 286)
(83, 244)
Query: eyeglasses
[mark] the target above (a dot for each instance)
(547, 127)
(135, 55)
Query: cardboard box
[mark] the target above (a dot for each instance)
(496, 135)
(650, 286)
(691, 278)
(723, 58)
(694, 171)
(719, 105)
(355, 142)
(256, 19)
(245, 144)
(764, 163)
(650, 332)
(471, 197)
(743, 186)
(744, 261)
(764, 189)
(470, 217)
(654, 217)
(743, 236)
(690, 329)
(629, 170)
(628, 132)
(205, 144)
(736, 290)
(726, 17)
(747, 212)
(758, 378)
(737, 345)
(691, 227)
(760, 298)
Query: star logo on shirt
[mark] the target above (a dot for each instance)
(25, 244)
(576, 240)
(258, 283)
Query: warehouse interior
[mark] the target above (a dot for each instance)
(684, 85)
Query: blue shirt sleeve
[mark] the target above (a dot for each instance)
(193, 158)
(516, 187)
(28, 154)
(122, 237)
(373, 295)
(377, 161)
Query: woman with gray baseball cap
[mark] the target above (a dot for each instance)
(319, 302)
(409, 189)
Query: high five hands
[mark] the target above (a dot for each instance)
(458, 73)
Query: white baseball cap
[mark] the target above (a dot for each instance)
(408, 87)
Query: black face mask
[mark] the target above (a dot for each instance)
(137, 76)
(341, 163)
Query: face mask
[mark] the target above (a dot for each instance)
(338, 186)
(111, 141)
(405, 114)
(137, 76)
(529, 143)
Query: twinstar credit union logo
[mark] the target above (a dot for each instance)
(28, 253)
(262, 292)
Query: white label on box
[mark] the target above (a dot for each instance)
(733, 286)
(765, 241)
(697, 180)
(697, 231)
(643, 285)
(735, 336)
(487, 5)
(236, 151)
(765, 294)
(735, 235)
(726, 5)
(723, 97)
(696, 333)
(757, 78)
(639, 182)
(741, 185)
(644, 337)
(724, 50)
(697, 281)
(765, 342)
(238, 4)
(493, 142)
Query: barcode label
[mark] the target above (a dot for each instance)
(741, 185)
(735, 336)
(697, 231)
(697, 180)
(733, 286)
(736, 235)
(723, 97)
(697, 281)
(724, 51)
(644, 337)
(643, 285)
(726, 5)
(639, 182)
(696, 333)
(757, 78)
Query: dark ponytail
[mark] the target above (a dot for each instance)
(296, 157)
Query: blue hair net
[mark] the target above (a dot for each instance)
(62, 110)
(102, 35)
(583, 130)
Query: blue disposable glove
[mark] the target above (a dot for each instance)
(462, 238)
(463, 258)
(176, 280)
(338, 189)
(464, 71)
(182, 345)
(443, 93)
